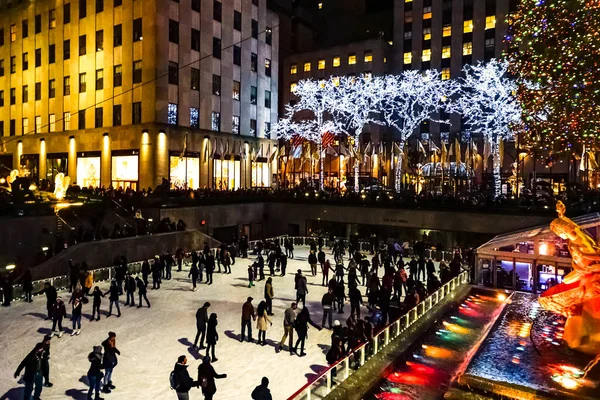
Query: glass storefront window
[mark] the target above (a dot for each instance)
(184, 170)
(226, 174)
(56, 164)
(125, 171)
(88, 171)
(30, 166)
(261, 174)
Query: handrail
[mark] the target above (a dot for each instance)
(385, 335)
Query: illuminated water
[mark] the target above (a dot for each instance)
(427, 369)
(525, 349)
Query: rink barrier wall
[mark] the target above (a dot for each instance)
(321, 386)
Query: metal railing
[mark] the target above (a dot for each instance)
(337, 373)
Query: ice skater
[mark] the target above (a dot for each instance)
(142, 291)
(59, 311)
(201, 321)
(114, 298)
(94, 374)
(110, 360)
(194, 275)
(33, 376)
(97, 296)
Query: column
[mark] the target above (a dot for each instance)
(17, 155)
(72, 160)
(105, 162)
(161, 161)
(42, 159)
(146, 171)
(205, 161)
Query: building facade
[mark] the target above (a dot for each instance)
(128, 92)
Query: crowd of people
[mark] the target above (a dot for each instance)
(350, 275)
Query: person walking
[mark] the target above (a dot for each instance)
(182, 382)
(179, 254)
(121, 273)
(301, 326)
(283, 263)
(412, 268)
(327, 304)
(96, 302)
(210, 267)
(207, 376)
(271, 259)
(262, 322)
(201, 321)
(46, 361)
(94, 374)
(355, 301)
(289, 318)
(33, 377)
(113, 298)
(110, 360)
(421, 269)
(430, 268)
(312, 261)
(269, 295)
(51, 295)
(301, 290)
(261, 267)
(169, 265)
(77, 305)
(142, 291)
(212, 337)
(130, 286)
(325, 268)
(156, 273)
(194, 275)
(247, 315)
(262, 392)
(321, 258)
(251, 276)
(340, 295)
(226, 262)
(58, 312)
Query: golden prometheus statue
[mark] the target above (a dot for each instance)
(578, 297)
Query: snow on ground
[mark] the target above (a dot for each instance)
(150, 340)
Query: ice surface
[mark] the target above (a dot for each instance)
(150, 340)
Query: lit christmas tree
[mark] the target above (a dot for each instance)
(554, 52)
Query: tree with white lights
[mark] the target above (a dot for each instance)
(410, 99)
(308, 117)
(358, 102)
(488, 105)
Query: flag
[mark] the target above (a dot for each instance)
(444, 156)
(328, 139)
(487, 151)
(501, 152)
(268, 152)
(314, 153)
(433, 146)
(458, 151)
(421, 148)
(367, 153)
(467, 156)
(344, 150)
(241, 152)
(274, 154)
(592, 160)
(297, 140)
(182, 155)
(220, 149)
(582, 162)
(450, 151)
(405, 159)
(213, 148)
(474, 148)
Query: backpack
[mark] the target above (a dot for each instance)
(173, 380)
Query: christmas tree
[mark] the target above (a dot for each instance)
(554, 52)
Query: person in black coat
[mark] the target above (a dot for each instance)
(210, 267)
(7, 290)
(95, 374)
(110, 360)
(156, 271)
(27, 283)
(73, 275)
(194, 275)
(262, 392)
(33, 376)
(120, 273)
(301, 326)
(58, 312)
(51, 295)
(201, 320)
(145, 271)
(113, 298)
(46, 361)
(183, 382)
(97, 296)
(206, 378)
(142, 291)
(283, 264)
(355, 301)
(130, 287)
(212, 336)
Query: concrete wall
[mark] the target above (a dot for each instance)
(21, 238)
(102, 253)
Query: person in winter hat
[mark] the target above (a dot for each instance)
(95, 374)
(33, 377)
(77, 302)
(262, 392)
(110, 360)
(183, 381)
(58, 312)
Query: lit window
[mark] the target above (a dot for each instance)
(368, 57)
(321, 64)
(427, 34)
(293, 69)
(408, 58)
(408, 35)
(490, 43)
(194, 118)
(468, 26)
(293, 86)
(52, 123)
(408, 16)
(352, 59)
(385, 60)
(320, 5)
(427, 12)
(13, 33)
(336, 81)
(490, 22)
(336, 62)
(426, 55)
(215, 121)
(172, 114)
(306, 67)
(235, 124)
(446, 52)
(408, 1)
(445, 74)
(467, 48)
(447, 30)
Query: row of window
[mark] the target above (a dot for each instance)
(336, 62)
(446, 51)
(490, 21)
(117, 82)
(136, 115)
(173, 119)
